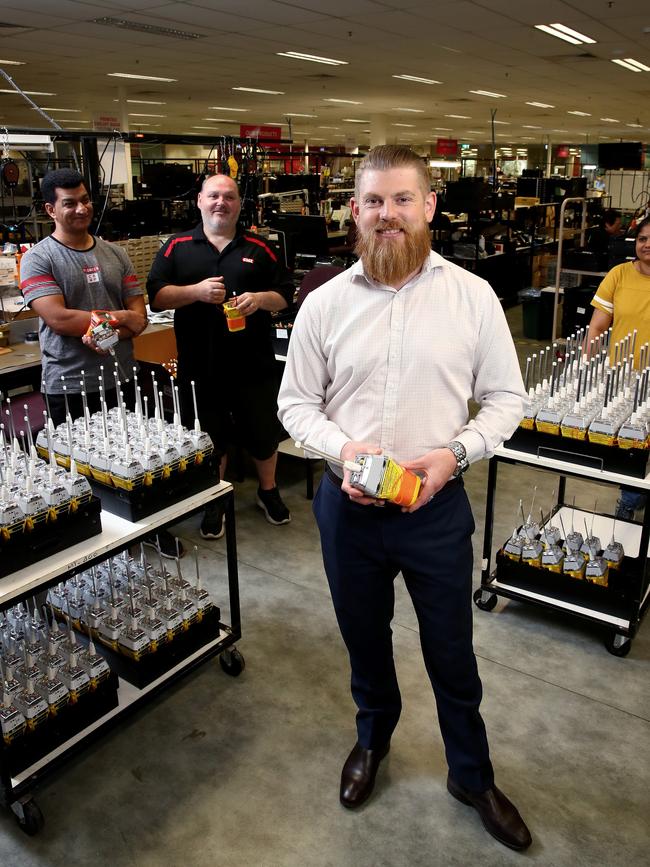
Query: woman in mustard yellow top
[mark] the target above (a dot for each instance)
(623, 301)
(623, 298)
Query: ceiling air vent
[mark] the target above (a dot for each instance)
(153, 29)
(572, 58)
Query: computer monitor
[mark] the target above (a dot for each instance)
(302, 234)
(280, 242)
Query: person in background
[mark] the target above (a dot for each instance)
(610, 226)
(63, 278)
(384, 358)
(234, 372)
(622, 301)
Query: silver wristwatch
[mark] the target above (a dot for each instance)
(462, 464)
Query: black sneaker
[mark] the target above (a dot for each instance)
(213, 524)
(623, 511)
(274, 509)
(170, 546)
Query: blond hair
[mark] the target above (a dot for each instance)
(384, 157)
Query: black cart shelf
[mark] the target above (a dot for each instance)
(16, 788)
(619, 607)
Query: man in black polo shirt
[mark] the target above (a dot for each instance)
(234, 372)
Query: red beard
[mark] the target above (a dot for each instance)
(391, 260)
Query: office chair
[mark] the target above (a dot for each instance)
(315, 278)
(346, 250)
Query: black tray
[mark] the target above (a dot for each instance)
(32, 746)
(145, 501)
(629, 462)
(153, 665)
(25, 549)
(617, 599)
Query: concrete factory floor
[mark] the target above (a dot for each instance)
(221, 771)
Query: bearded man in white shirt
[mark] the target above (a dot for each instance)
(383, 359)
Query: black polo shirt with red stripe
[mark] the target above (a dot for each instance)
(248, 264)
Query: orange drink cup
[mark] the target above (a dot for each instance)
(236, 322)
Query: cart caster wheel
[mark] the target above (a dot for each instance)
(484, 600)
(28, 816)
(232, 662)
(618, 645)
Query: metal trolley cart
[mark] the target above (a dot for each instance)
(16, 786)
(618, 607)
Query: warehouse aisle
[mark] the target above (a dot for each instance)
(222, 771)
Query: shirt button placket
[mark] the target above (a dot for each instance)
(395, 341)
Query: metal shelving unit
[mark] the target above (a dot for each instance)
(16, 790)
(618, 610)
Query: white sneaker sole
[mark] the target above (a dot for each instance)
(268, 516)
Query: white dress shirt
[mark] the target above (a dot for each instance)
(397, 368)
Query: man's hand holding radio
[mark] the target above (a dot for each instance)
(348, 453)
(435, 469)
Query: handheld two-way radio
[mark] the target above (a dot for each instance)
(377, 476)
(102, 329)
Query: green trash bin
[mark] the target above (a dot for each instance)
(537, 311)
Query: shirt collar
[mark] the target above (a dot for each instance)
(434, 260)
(198, 234)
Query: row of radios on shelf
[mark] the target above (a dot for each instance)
(128, 606)
(590, 393)
(547, 546)
(116, 448)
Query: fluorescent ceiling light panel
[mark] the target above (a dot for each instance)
(403, 124)
(144, 101)
(220, 119)
(354, 120)
(540, 104)
(259, 90)
(414, 110)
(67, 110)
(580, 113)
(295, 114)
(635, 125)
(139, 77)
(12, 62)
(529, 126)
(443, 128)
(502, 122)
(610, 120)
(489, 93)
(632, 65)
(329, 127)
(205, 127)
(417, 79)
(223, 108)
(459, 116)
(345, 101)
(142, 114)
(28, 92)
(566, 33)
(314, 58)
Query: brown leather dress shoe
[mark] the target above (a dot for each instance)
(358, 775)
(500, 817)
